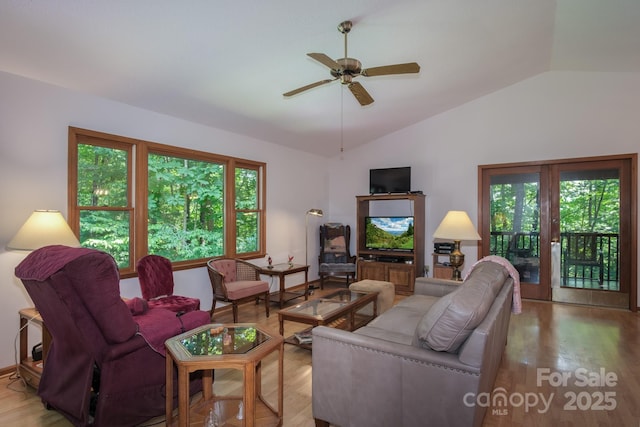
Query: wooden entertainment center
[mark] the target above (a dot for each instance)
(399, 267)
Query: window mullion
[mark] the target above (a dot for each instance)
(141, 179)
(230, 208)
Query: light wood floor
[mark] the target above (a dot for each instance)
(561, 338)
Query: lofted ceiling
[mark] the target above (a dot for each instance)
(226, 64)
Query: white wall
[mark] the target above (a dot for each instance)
(554, 115)
(550, 116)
(34, 120)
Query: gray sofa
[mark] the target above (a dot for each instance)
(421, 363)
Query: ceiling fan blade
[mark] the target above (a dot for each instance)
(410, 67)
(360, 93)
(325, 60)
(307, 87)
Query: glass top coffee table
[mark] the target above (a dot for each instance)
(342, 309)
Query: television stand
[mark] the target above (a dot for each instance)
(390, 259)
(399, 267)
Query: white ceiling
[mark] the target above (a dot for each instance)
(227, 63)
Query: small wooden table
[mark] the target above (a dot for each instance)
(239, 346)
(29, 370)
(281, 270)
(337, 309)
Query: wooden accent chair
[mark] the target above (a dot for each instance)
(236, 281)
(155, 275)
(583, 255)
(335, 258)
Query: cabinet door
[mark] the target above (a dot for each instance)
(403, 276)
(442, 272)
(371, 270)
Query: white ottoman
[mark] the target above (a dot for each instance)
(386, 292)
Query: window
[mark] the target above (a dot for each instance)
(247, 207)
(131, 198)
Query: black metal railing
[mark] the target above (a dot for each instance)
(588, 260)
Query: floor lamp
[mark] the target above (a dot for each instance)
(456, 226)
(314, 212)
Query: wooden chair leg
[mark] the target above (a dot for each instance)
(234, 308)
(321, 423)
(213, 307)
(266, 303)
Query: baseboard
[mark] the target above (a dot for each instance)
(7, 371)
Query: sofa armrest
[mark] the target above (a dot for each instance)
(435, 287)
(360, 380)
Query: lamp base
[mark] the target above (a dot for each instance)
(456, 259)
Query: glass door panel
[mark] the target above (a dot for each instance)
(590, 229)
(514, 224)
(589, 233)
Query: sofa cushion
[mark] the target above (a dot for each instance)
(453, 317)
(399, 324)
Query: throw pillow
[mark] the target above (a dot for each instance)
(337, 244)
(451, 320)
(137, 306)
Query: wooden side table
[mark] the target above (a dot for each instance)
(441, 270)
(282, 270)
(240, 346)
(29, 370)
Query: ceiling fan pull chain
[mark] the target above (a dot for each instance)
(341, 120)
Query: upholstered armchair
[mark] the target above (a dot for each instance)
(106, 365)
(155, 275)
(335, 257)
(236, 281)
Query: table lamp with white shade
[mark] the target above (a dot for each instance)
(43, 228)
(456, 226)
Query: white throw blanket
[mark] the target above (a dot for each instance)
(516, 306)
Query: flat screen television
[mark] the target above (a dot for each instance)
(390, 180)
(391, 233)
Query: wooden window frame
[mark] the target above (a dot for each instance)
(137, 192)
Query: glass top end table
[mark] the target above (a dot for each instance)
(219, 339)
(239, 346)
(281, 270)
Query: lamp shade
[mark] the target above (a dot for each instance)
(315, 212)
(43, 228)
(456, 225)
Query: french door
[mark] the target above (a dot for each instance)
(568, 226)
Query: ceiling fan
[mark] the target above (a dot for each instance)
(346, 69)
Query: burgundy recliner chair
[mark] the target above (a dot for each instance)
(106, 363)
